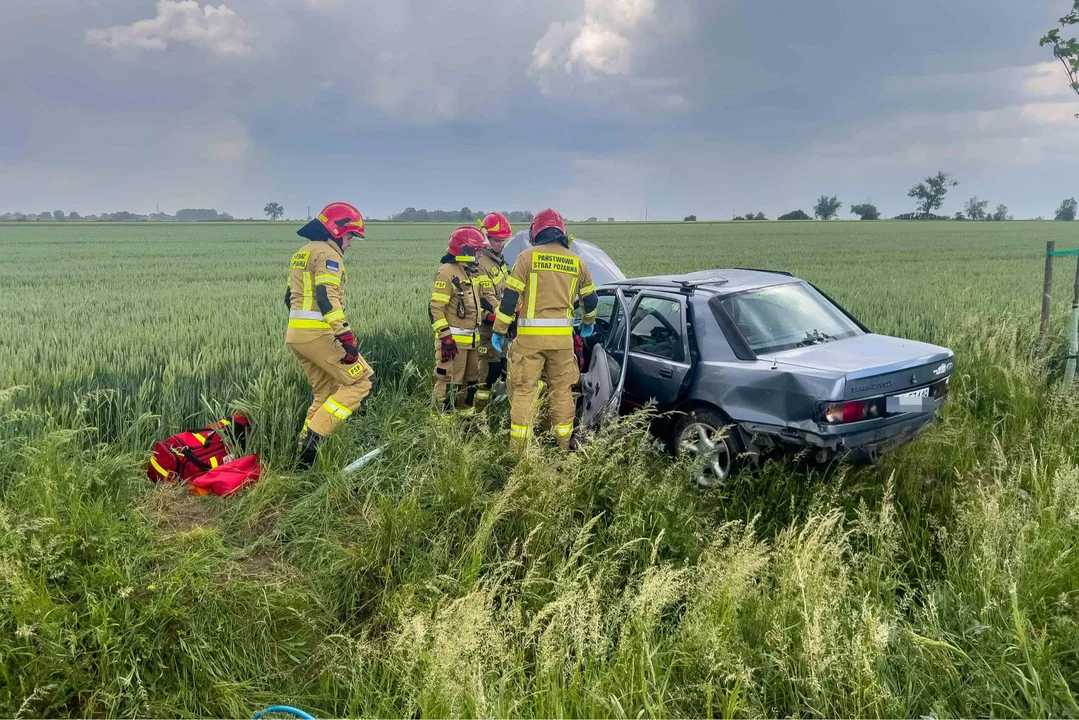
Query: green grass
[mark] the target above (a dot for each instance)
(449, 579)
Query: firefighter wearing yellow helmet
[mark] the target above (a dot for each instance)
(318, 329)
(540, 294)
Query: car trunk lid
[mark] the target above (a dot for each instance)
(874, 364)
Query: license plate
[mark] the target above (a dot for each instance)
(913, 401)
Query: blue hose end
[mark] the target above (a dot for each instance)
(286, 710)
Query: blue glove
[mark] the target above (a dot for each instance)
(497, 340)
(587, 330)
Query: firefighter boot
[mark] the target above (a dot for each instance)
(444, 404)
(466, 401)
(308, 450)
(483, 392)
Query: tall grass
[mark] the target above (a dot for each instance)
(449, 578)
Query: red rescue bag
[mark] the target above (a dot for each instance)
(228, 478)
(186, 455)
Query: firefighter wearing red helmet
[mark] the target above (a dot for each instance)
(318, 329)
(493, 272)
(459, 305)
(540, 293)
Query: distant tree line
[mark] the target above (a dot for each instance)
(929, 194)
(976, 209)
(795, 215)
(185, 215)
(464, 215)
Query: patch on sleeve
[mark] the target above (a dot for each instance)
(333, 265)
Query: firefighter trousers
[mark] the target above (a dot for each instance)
(463, 372)
(339, 390)
(527, 368)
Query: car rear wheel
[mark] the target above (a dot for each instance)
(707, 435)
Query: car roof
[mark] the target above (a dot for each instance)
(718, 281)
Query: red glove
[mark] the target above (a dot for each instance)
(489, 319)
(348, 342)
(449, 349)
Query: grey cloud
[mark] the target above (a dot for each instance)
(598, 43)
(214, 28)
(708, 106)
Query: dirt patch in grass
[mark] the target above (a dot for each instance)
(258, 564)
(173, 510)
(261, 566)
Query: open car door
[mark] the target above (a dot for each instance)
(603, 384)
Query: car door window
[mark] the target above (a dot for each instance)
(656, 329)
(604, 311)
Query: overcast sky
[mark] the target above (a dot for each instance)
(595, 107)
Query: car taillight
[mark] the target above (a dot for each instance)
(848, 412)
(939, 389)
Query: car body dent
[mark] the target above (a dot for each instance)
(777, 397)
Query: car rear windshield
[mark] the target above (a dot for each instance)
(783, 317)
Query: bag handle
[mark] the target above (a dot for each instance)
(190, 457)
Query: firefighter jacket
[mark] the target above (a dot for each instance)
(459, 303)
(315, 296)
(540, 293)
(493, 271)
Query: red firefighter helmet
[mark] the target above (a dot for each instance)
(545, 220)
(339, 218)
(464, 242)
(496, 226)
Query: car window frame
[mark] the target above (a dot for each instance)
(601, 294)
(737, 340)
(616, 343)
(680, 300)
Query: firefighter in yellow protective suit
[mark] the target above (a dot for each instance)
(318, 330)
(545, 281)
(460, 303)
(493, 272)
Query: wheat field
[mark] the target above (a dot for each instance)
(449, 578)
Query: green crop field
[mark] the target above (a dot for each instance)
(450, 578)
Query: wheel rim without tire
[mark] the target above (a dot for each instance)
(702, 440)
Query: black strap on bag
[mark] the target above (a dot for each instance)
(185, 453)
(191, 457)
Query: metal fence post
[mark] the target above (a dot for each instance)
(1073, 330)
(1047, 289)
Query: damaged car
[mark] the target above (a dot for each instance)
(739, 362)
